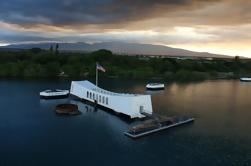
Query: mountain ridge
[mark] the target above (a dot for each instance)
(120, 48)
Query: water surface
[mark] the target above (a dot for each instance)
(32, 134)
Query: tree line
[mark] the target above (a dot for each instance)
(52, 63)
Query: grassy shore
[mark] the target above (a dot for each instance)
(38, 63)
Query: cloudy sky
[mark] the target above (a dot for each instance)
(216, 26)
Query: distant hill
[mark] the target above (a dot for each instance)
(10, 49)
(120, 48)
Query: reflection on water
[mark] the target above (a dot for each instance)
(152, 92)
(32, 134)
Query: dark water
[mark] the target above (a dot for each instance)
(31, 133)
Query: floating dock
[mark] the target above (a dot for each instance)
(155, 125)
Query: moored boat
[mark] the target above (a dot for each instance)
(155, 86)
(245, 79)
(54, 94)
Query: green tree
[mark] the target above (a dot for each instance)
(36, 50)
(236, 58)
(52, 69)
(51, 49)
(56, 49)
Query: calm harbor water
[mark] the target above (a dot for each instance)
(32, 134)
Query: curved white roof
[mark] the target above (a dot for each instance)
(91, 86)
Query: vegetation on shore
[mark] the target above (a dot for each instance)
(49, 63)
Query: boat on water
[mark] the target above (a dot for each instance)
(245, 79)
(155, 86)
(156, 125)
(54, 94)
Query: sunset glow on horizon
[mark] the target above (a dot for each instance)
(215, 26)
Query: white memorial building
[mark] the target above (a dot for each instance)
(129, 104)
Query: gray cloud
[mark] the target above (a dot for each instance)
(65, 12)
(212, 21)
(9, 36)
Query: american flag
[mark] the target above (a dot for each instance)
(99, 67)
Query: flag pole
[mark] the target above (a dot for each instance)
(96, 75)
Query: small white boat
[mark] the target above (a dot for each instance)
(54, 94)
(155, 86)
(245, 79)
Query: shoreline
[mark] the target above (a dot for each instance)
(112, 78)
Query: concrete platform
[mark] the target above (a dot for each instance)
(159, 128)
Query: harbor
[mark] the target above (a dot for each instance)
(34, 129)
(125, 83)
(131, 105)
